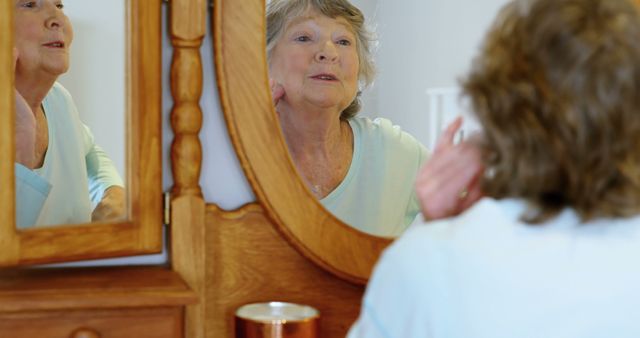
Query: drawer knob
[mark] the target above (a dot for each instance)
(84, 333)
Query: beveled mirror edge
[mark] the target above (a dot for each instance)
(142, 232)
(242, 78)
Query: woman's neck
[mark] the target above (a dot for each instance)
(34, 90)
(321, 146)
(313, 133)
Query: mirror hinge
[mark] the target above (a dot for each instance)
(210, 2)
(166, 209)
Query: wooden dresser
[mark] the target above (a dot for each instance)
(114, 302)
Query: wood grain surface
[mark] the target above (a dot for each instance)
(251, 262)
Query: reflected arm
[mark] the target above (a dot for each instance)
(101, 172)
(106, 188)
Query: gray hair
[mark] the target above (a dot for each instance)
(280, 12)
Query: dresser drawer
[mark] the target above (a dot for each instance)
(103, 323)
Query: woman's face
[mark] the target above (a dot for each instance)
(43, 36)
(316, 61)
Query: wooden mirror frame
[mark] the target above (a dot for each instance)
(141, 233)
(242, 76)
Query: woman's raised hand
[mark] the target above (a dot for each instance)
(112, 206)
(25, 127)
(277, 91)
(449, 182)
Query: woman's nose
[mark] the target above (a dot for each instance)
(327, 53)
(54, 22)
(55, 18)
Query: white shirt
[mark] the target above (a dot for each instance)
(75, 173)
(485, 274)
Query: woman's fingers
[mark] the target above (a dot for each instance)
(474, 193)
(450, 181)
(277, 91)
(448, 135)
(16, 54)
(112, 206)
(437, 195)
(473, 175)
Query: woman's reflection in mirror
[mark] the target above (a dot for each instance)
(363, 171)
(62, 176)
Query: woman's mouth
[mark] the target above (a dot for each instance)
(55, 44)
(325, 77)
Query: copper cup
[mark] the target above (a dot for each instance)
(277, 320)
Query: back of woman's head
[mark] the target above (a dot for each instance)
(557, 91)
(281, 12)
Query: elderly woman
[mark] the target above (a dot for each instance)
(551, 251)
(361, 170)
(60, 172)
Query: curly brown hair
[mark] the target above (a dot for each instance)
(556, 88)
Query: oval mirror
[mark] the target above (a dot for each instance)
(321, 57)
(367, 180)
(241, 72)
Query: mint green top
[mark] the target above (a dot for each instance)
(377, 195)
(75, 173)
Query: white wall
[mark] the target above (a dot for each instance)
(423, 44)
(96, 77)
(222, 179)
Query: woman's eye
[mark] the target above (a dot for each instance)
(344, 42)
(60, 6)
(29, 4)
(303, 38)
